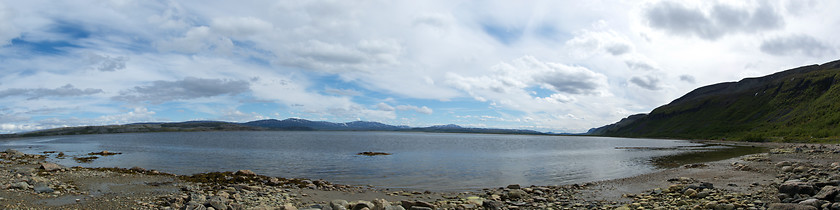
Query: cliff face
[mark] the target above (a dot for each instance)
(798, 103)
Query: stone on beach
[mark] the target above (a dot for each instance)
(245, 173)
(50, 166)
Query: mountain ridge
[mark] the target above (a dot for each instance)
(289, 124)
(798, 104)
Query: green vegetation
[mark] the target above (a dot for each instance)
(798, 105)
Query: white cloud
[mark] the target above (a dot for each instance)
(797, 45)
(240, 26)
(422, 110)
(714, 21)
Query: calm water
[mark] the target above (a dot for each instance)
(426, 161)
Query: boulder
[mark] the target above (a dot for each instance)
(514, 186)
(492, 205)
(363, 204)
(19, 185)
(194, 206)
(50, 166)
(43, 188)
(797, 187)
(244, 173)
(516, 194)
(14, 153)
(338, 204)
(827, 193)
(380, 204)
(790, 206)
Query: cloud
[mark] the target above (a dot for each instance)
(687, 78)
(9, 30)
(240, 26)
(587, 42)
(107, 63)
(188, 88)
(37, 93)
(646, 82)
(423, 110)
(342, 92)
(720, 20)
(640, 65)
(197, 39)
(796, 44)
(385, 107)
(335, 57)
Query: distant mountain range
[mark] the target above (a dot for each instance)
(800, 104)
(291, 124)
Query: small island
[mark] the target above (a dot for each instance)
(373, 153)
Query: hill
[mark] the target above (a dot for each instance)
(291, 124)
(801, 104)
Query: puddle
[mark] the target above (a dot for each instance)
(707, 154)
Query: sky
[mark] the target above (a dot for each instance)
(551, 66)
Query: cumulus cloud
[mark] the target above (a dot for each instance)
(188, 88)
(240, 26)
(587, 42)
(385, 107)
(337, 57)
(342, 92)
(197, 39)
(712, 23)
(107, 63)
(796, 44)
(37, 93)
(509, 84)
(647, 82)
(687, 78)
(423, 110)
(9, 30)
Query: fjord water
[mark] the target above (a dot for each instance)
(421, 161)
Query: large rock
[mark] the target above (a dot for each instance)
(797, 187)
(14, 153)
(244, 173)
(217, 202)
(192, 205)
(363, 204)
(492, 205)
(338, 204)
(790, 206)
(381, 204)
(43, 188)
(19, 185)
(516, 194)
(50, 166)
(827, 193)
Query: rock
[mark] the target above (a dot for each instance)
(800, 169)
(43, 188)
(194, 206)
(516, 194)
(492, 205)
(787, 168)
(137, 169)
(690, 192)
(363, 204)
(19, 185)
(514, 186)
(217, 202)
(420, 208)
(783, 163)
(827, 193)
(796, 187)
(14, 153)
(394, 208)
(813, 202)
(198, 198)
(706, 192)
(834, 206)
(790, 206)
(424, 204)
(338, 204)
(289, 206)
(244, 173)
(50, 166)
(380, 204)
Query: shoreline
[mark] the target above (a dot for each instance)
(750, 181)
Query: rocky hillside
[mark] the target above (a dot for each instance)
(796, 104)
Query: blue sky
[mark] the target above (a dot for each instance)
(557, 66)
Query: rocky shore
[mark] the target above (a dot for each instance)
(790, 176)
